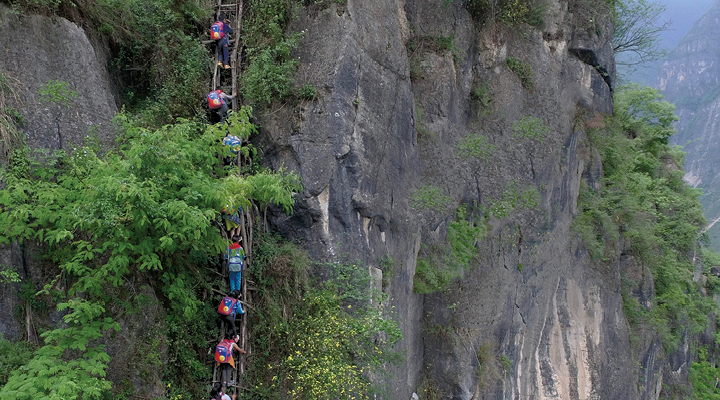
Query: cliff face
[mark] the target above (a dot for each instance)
(690, 78)
(391, 110)
(392, 106)
(37, 50)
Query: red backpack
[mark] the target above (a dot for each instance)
(227, 306)
(214, 100)
(223, 351)
(217, 30)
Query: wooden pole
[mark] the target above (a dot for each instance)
(235, 58)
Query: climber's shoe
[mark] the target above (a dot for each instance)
(227, 66)
(220, 64)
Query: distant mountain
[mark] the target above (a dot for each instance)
(690, 78)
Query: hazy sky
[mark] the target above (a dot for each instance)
(683, 14)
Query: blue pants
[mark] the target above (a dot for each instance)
(235, 280)
(222, 50)
(222, 112)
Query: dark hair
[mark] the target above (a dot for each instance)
(222, 17)
(218, 87)
(236, 238)
(216, 390)
(235, 294)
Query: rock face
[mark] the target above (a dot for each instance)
(393, 106)
(38, 49)
(689, 78)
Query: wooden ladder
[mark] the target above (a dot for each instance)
(234, 12)
(246, 232)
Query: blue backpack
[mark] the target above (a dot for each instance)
(233, 142)
(235, 259)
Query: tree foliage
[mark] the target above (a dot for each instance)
(149, 207)
(637, 31)
(439, 264)
(314, 340)
(645, 204)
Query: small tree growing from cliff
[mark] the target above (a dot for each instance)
(637, 31)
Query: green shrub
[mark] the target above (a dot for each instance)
(316, 340)
(417, 45)
(516, 12)
(57, 92)
(523, 70)
(307, 92)
(530, 128)
(10, 118)
(441, 264)
(429, 197)
(13, 355)
(703, 378)
(515, 200)
(271, 73)
(265, 22)
(509, 12)
(423, 132)
(491, 366)
(477, 146)
(42, 6)
(483, 96)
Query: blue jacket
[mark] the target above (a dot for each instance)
(226, 28)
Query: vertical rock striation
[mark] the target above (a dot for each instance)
(395, 82)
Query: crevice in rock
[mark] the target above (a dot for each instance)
(590, 58)
(60, 139)
(532, 168)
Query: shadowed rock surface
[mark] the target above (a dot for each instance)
(392, 107)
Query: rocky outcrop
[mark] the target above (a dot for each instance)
(37, 50)
(393, 105)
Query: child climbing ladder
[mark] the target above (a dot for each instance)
(228, 21)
